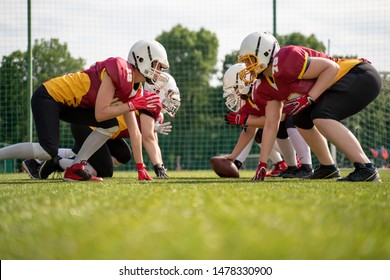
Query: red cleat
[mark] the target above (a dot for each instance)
(299, 164)
(277, 168)
(76, 172)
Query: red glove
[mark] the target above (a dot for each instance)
(151, 102)
(261, 172)
(294, 106)
(142, 173)
(233, 118)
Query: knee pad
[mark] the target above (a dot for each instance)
(282, 132)
(107, 131)
(289, 123)
(40, 153)
(303, 122)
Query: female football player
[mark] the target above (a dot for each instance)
(116, 150)
(95, 97)
(239, 99)
(320, 92)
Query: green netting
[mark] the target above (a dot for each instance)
(201, 38)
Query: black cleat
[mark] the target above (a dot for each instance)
(324, 172)
(50, 166)
(287, 172)
(304, 171)
(31, 167)
(362, 173)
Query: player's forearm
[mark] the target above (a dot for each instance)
(136, 146)
(255, 121)
(110, 112)
(152, 150)
(245, 137)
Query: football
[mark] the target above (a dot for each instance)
(224, 168)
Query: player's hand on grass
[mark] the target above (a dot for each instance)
(161, 171)
(142, 173)
(260, 172)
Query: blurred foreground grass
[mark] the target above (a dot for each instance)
(194, 215)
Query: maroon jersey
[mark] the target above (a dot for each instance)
(288, 67)
(80, 89)
(251, 108)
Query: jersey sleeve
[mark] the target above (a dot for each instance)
(120, 75)
(290, 63)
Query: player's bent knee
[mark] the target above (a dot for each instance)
(304, 123)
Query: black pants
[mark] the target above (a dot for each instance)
(348, 96)
(47, 114)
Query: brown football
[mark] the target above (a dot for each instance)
(224, 167)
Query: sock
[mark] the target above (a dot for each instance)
(238, 163)
(93, 142)
(66, 153)
(25, 150)
(306, 167)
(288, 151)
(245, 152)
(300, 146)
(331, 166)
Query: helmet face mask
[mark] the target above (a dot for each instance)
(234, 87)
(257, 51)
(168, 92)
(171, 102)
(150, 58)
(155, 76)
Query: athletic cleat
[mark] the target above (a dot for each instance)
(50, 166)
(31, 167)
(324, 172)
(277, 168)
(362, 173)
(76, 172)
(290, 170)
(303, 171)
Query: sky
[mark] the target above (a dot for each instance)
(96, 30)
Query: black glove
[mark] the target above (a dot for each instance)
(160, 171)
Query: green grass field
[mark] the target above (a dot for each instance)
(192, 216)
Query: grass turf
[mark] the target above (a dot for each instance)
(194, 215)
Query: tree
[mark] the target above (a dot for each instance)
(192, 57)
(50, 59)
(299, 39)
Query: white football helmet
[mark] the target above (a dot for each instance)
(257, 51)
(169, 94)
(150, 58)
(234, 87)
